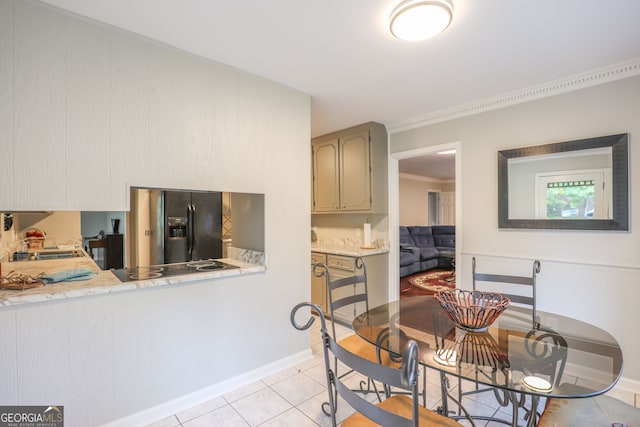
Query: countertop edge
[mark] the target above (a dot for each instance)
(348, 251)
(71, 290)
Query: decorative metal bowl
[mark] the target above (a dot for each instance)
(472, 310)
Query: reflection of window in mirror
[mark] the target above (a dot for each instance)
(543, 186)
(530, 175)
(573, 195)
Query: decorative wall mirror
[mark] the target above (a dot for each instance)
(573, 185)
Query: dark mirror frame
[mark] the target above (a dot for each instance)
(620, 176)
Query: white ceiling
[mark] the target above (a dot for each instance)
(340, 52)
(439, 166)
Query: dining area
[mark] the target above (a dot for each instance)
(468, 351)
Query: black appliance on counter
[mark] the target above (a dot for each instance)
(166, 270)
(172, 226)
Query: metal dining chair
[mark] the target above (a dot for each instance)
(542, 358)
(397, 410)
(349, 296)
(507, 284)
(521, 290)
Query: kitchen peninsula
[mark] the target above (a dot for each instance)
(106, 281)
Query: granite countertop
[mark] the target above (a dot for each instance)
(354, 251)
(105, 282)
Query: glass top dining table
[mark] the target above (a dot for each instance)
(559, 357)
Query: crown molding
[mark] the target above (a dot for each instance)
(579, 81)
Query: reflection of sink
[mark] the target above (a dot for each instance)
(56, 254)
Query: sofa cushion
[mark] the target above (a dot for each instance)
(444, 236)
(428, 253)
(409, 255)
(443, 229)
(425, 247)
(405, 237)
(421, 236)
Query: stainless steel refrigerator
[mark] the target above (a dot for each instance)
(193, 226)
(168, 226)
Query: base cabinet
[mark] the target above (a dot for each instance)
(340, 267)
(345, 266)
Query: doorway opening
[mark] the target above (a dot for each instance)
(424, 190)
(432, 206)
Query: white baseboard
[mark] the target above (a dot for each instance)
(181, 403)
(626, 390)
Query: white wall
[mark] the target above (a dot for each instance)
(413, 198)
(97, 110)
(592, 276)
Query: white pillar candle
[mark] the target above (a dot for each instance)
(367, 234)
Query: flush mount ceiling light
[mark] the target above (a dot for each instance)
(415, 20)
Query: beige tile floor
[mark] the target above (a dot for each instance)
(292, 398)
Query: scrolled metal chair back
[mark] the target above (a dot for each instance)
(326, 339)
(406, 377)
(549, 350)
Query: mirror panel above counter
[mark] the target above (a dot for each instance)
(115, 247)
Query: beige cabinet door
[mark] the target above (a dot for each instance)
(319, 284)
(355, 172)
(319, 292)
(326, 180)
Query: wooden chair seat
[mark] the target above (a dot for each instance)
(402, 405)
(588, 412)
(366, 350)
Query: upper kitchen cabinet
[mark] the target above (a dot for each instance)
(350, 171)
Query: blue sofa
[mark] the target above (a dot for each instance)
(425, 247)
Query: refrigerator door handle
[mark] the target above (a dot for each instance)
(189, 230)
(192, 229)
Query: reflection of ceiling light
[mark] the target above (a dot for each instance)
(537, 383)
(415, 20)
(447, 152)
